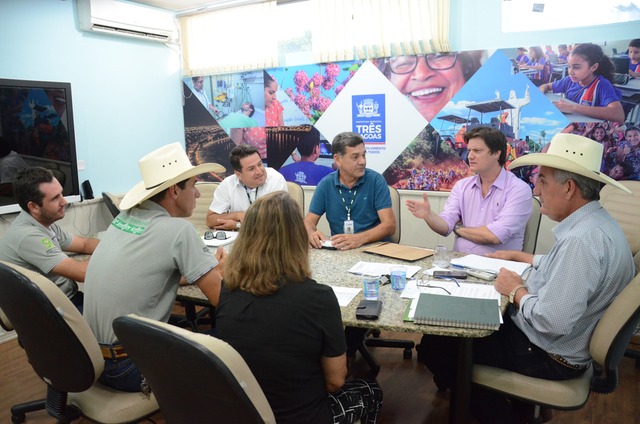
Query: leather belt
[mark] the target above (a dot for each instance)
(559, 359)
(113, 352)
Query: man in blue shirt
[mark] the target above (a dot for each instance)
(355, 199)
(305, 171)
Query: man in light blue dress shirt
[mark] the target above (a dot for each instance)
(548, 326)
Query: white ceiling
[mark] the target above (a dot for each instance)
(183, 6)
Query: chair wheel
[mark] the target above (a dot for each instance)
(407, 353)
(17, 418)
(375, 333)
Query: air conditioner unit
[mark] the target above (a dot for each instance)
(126, 19)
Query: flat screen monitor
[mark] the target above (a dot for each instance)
(36, 129)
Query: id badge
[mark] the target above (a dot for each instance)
(348, 227)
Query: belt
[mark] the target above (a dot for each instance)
(559, 359)
(113, 352)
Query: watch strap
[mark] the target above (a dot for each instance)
(512, 295)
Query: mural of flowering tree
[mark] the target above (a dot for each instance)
(314, 94)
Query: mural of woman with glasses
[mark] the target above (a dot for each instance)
(430, 81)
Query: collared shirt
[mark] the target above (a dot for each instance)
(599, 92)
(32, 245)
(505, 211)
(202, 96)
(571, 287)
(369, 195)
(232, 196)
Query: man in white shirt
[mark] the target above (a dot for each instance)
(250, 180)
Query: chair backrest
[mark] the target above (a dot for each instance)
(395, 207)
(532, 228)
(625, 209)
(297, 194)
(113, 202)
(199, 215)
(4, 322)
(57, 340)
(195, 377)
(613, 333)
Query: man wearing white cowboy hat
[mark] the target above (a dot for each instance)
(548, 326)
(142, 257)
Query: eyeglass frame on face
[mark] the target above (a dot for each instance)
(427, 61)
(217, 235)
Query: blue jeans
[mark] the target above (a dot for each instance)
(121, 375)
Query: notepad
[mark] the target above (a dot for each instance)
(454, 311)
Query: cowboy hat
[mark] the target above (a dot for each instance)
(161, 169)
(573, 153)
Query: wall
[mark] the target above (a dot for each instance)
(478, 25)
(126, 93)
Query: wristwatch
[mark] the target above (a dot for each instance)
(238, 225)
(457, 227)
(512, 295)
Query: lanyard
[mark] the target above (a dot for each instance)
(348, 208)
(248, 190)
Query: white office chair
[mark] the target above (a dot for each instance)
(625, 208)
(199, 215)
(607, 347)
(395, 207)
(195, 377)
(532, 228)
(297, 194)
(63, 352)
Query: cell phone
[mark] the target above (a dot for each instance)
(460, 274)
(369, 309)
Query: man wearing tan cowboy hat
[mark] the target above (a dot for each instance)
(548, 326)
(141, 258)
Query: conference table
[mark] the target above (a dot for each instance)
(331, 267)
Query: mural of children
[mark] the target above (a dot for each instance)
(589, 85)
(629, 152)
(634, 58)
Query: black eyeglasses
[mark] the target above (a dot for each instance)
(402, 65)
(218, 235)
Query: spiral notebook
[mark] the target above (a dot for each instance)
(454, 311)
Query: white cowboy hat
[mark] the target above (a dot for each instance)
(161, 169)
(572, 153)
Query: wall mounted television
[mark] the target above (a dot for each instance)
(36, 129)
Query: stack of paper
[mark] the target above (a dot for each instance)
(483, 263)
(380, 269)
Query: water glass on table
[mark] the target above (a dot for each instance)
(441, 256)
(398, 277)
(371, 285)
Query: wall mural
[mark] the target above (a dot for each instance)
(412, 112)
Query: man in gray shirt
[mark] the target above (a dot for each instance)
(36, 242)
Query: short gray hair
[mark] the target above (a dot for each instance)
(589, 188)
(343, 140)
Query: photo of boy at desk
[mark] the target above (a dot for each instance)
(589, 85)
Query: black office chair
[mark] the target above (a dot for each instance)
(211, 383)
(112, 203)
(63, 352)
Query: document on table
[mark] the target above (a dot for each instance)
(483, 263)
(448, 288)
(345, 294)
(380, 269)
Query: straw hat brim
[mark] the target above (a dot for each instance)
(139, 193)
(560, 162)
